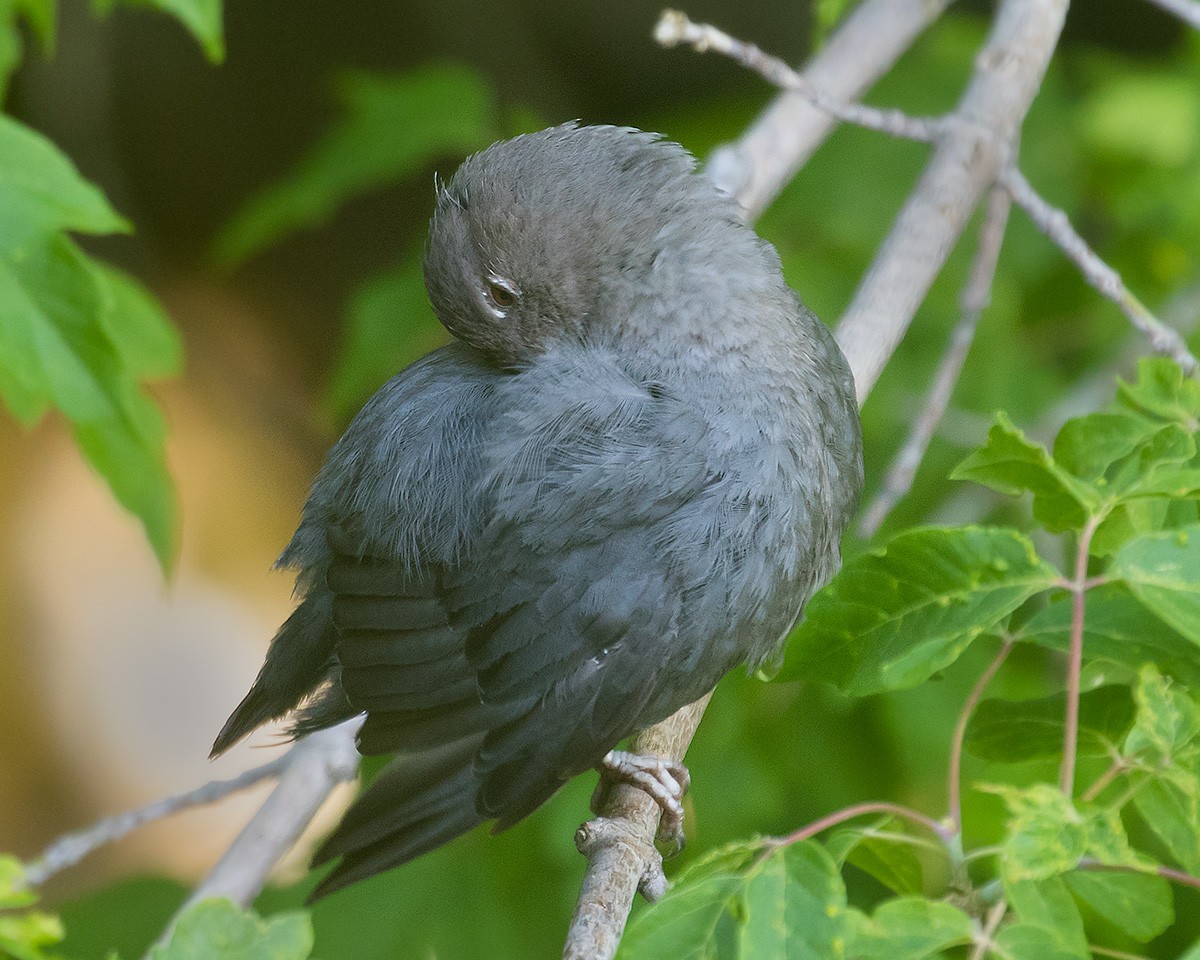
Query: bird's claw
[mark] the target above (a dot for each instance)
(666, 781)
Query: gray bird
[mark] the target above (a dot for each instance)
(626, 477)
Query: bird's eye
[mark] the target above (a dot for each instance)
(501, 293)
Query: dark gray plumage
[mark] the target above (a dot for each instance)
(626, 478)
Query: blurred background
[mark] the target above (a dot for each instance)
(279, 216)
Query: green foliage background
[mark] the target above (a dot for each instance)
(866, 705)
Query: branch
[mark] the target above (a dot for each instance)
(69, 849)
(314, 767)
(965, 162)
(1186, 10)
(954, 776)
(1105, 279)
(864, 47)
(975, 298)
(755, 169)
(1078, 587)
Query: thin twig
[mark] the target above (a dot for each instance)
(1119, 766)
(71, 848)
(942, 831)
(674, 28)
(315, 766)
(1078, 587)
(1054, 223)
(1186, 10)
(975, 298)
(984, 941)
(954, 777)
(965, 162)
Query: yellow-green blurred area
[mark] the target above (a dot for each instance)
(279, 201)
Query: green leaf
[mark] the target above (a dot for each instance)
(1026, 941)
(1048, 918)
(137, 325)
(1169, 803)
(41, 192)
(910, 928)
(1167, 718)
(794, 906)
(892, 619)
(1163, 392)
(202, 18)
(23, 936)
(54, 350)
(1137, 904)
(790, 903)
(217, 930)
(1011, 731)
(389, 325)
(1087, 446)
(392, 128)
(1117, 628)
(1046, 834)
(1011, 464)
(1163, 571)
(886, 851)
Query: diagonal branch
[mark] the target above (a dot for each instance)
(1186, 10)
(965, 162)
(975, 297)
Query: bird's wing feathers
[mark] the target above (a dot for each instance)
(527, 658)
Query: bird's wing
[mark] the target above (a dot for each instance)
(526, 661)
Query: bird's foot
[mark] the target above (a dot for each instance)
(666, 781)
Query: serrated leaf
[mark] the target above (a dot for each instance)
(1163, 571)
(1119, 628)
(1011, 731)
(54, 351)
(389, 324)
(1107, 841)
(1012, 464)
(885, 851)
(391, 128)
(1168, 719)
(1046, 834)
(1087, 446)
(1170, 805)
(1026, 941)
(201, 18)
(217, 930)
(1163, 392)
(790, 903)
(684, 922)
(911, 928)
(1137, 904)
(1046, 905)
(41, 192)
(894, 618)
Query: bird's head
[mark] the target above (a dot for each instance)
(554, 236)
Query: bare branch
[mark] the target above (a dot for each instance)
(864, 47)
(675, 28)
(69, 849)
(1054, 223)
(976, 295)
(965, 162)
(1186, 10)
(619, 845)
(315, 766)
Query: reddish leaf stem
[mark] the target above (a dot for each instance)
(954, 779)
(1167, 873)
(943, 831)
